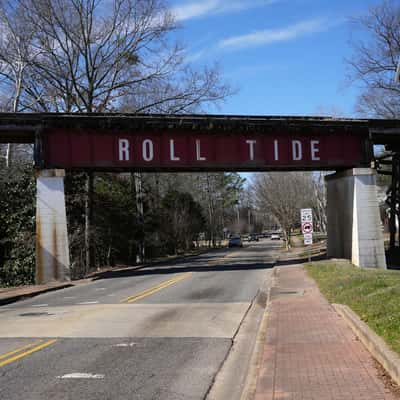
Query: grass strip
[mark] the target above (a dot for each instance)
(373, 294)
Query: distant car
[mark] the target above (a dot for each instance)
(253, 237)
(275, 236)
(235, 241)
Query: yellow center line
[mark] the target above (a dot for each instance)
(221, 259)
(27, 346)
(27, 353)
(157, 288)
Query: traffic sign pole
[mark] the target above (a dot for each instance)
(307, 228)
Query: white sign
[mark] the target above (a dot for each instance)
(306, 215)
(307, 225)
(308, 238)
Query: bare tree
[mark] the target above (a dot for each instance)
(283, 194)
(375, 59)
(320, 202)
(100, 55)
(16, 55)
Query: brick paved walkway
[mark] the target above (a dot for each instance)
(310, 353)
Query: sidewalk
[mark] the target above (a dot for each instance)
(310, 353)
(10, 295)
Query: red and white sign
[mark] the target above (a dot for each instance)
(176, 150)
(306, 227)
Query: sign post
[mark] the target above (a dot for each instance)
(307, 228)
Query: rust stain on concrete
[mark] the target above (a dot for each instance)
(39, 251)
(55, 257)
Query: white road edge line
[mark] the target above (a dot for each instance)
(87, 302)
(40, 305)
(81, 375)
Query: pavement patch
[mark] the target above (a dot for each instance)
(159, 368)
(218, 320)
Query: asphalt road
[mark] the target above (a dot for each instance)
(157, 333)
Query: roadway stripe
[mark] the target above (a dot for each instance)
(154, 289)
(27, 353)
(81, 375)
(27, 346)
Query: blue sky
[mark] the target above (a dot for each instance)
(285, 57)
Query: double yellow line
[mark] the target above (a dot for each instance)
(157, 288)
(24, 351)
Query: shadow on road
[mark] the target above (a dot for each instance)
(243, 264)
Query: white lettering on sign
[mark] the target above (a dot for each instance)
(276, 150)
(251, 144)
(297, 151)
(147, 150)
(198, 151)
(172, 151)
(123, 149)
(314, 150)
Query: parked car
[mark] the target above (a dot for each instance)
(235, 241)
(253, 237)
(275, 236)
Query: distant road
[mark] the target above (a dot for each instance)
(157, 333)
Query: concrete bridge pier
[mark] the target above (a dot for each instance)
(52, 251)
(354, 224)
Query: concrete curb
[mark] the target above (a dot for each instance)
(16, 297)
(250, 387)
(375, 344)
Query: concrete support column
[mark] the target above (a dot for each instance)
(52, 251)
(354, 225)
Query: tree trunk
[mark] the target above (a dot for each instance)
(140, 215)
(89, 251)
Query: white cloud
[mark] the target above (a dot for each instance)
(269, 36)
(208, 7)
(192, 10)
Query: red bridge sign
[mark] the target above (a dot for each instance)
(71, 149)
(190, 142)
(209, 145)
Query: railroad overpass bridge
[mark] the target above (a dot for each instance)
(131, 142)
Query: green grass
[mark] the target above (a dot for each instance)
(373, 294)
